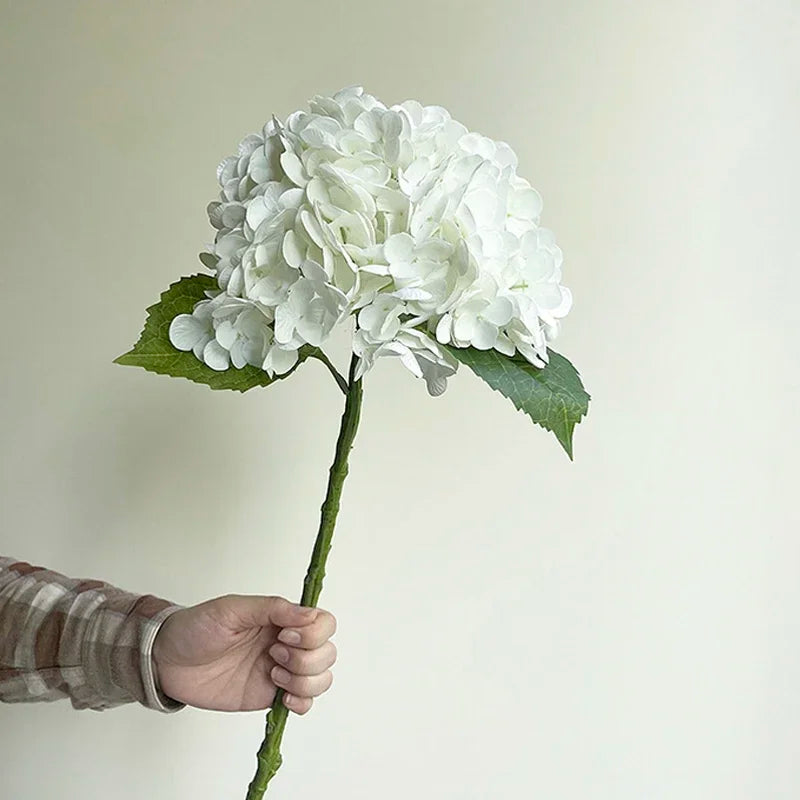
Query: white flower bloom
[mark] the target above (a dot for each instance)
(398, 216)
(196, 332)
(478, 322)
(309, 313)
(417, 352)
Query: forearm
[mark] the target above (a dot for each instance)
(79, 639)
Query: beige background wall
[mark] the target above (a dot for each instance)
(511, 624)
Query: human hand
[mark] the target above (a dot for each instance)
(223, 654)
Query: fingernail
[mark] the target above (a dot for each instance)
(280, 654)
(307, 610)
(290, 637)
(280, 675)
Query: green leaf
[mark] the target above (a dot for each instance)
(552, 396)
(155, 353)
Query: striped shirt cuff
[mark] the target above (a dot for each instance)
(81, 639)
(154, 697)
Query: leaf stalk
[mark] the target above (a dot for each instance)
(340, 379)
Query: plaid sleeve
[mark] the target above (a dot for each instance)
(82, 639)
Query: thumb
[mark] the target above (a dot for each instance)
(284, 613)
(254, 611)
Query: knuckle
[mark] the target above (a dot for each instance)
(313, 686)
(224, 602)
(296, 685)
(308, 688)
(222, 609)
(305, 662)
(291, 663)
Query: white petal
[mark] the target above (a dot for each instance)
(185, 331)
(504, 345)
(291, 198)
(436, 385)
(259, 167)
(547, 295)
(499, 312)
(374, 269)
(366, 124)
(401, 270)
(224, 276)
(370, 316)
(281, 360)
(435, 377)
(527, 352)
(361, 368)
(434, 250)
(485, 335)
(540, 266)
(312, 325)
(411, 293)
(236, 282)
(214, 211)
(312, 228)
(293, 167)
(313, 271)
(216, 356)
(292, 251)
(317, 191)
(328, 262)
(399, 248)
(526, 203)
(504, 155)
(284, 323)
(225, 169)
(390, 327)
(391, 124)
(410, 362)
(444, 328)
(428, 215)
(250, 143)
(392, 201)
(464, 327)
(230, 244)
(417, 170)
(301, 295)
(209, 260)
(238, 356)
(566, 303)
(257, 212)
(482, 205)
(226, 334)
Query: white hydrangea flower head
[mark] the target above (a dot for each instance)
(397, 216)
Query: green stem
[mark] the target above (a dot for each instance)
(320, 356)
(269, 756)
